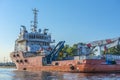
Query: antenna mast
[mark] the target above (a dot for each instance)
(34, 29)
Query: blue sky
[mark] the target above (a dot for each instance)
(70, 20)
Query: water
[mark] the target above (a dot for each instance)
(13, 74)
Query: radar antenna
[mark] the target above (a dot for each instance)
(34, 26)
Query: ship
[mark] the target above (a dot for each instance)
(33, 51)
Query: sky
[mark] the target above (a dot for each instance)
(70, 20)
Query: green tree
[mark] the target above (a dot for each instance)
(65, 48)
(69, 51)
(114, 50)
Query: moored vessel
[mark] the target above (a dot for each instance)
(33, 52)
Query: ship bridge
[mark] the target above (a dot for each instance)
(34, 40)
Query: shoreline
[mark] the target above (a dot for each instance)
(7, 66)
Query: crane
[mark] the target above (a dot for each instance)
(97, 46)
(54, 53)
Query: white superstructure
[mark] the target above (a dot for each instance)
(33, 41)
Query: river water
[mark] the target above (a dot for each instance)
(13, 74)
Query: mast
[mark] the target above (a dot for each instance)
(34, 26)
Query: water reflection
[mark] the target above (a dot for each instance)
(24, 75)
(12, 74)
